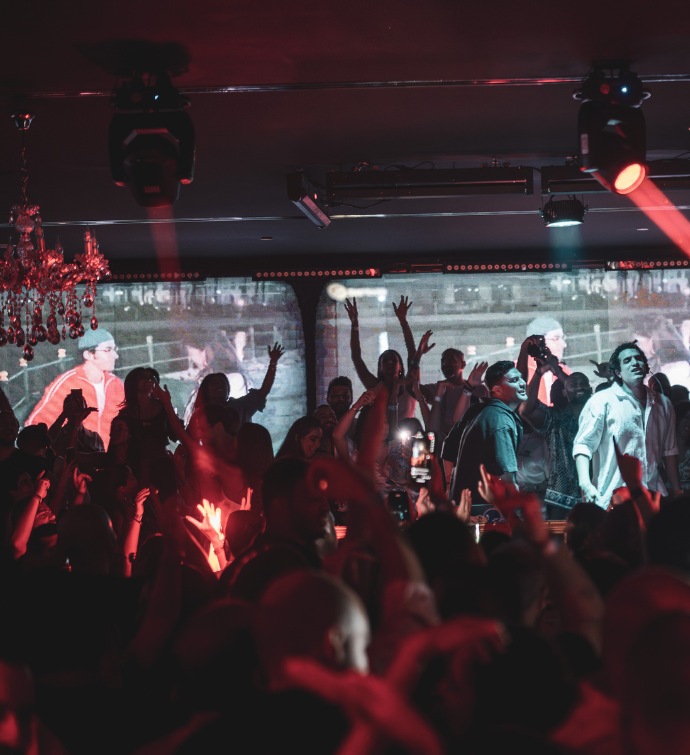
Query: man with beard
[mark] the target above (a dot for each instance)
(339, 395)
(490, 433)
(642, 423)
(559, 427)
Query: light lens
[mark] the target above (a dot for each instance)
(629, 178)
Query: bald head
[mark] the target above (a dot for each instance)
(309, 614)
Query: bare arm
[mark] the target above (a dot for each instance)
(130, 541)
(533, 410)
(413, 386)
(474, 380)
(401, 311)
(435, 417)
(368, 379)
(19, 537)
(341, 430)
(423, 406)
(590, 493)
(176, 424)
(274, 354)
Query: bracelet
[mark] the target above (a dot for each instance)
(438, 398)
(636, 492)
(220, 547)
(414, 363)
(392, 406)
(138, 519)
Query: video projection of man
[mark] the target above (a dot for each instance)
(185, 330)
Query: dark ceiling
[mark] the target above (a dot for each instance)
(276, 86)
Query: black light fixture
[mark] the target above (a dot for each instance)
(151, 139)
(306, 197)
(611, 127)
(562, 213)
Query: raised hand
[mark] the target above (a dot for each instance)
(601, 369)
(477, 374)
(423, 505)
(210, 521)
(275, 352)
(402, 308)
(140, 498)
(162, 394)
(42, 485)
(366, 399)
(80, 480)
(493, 489)
(424, 346)
(464, 506)
(351, 309)
(247, 500)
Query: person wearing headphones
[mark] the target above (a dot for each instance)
(628, 413)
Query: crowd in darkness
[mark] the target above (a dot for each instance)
(494, 560)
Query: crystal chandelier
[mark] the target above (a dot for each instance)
(35, 280)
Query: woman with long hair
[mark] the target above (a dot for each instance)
(302, 439)
(151, 422)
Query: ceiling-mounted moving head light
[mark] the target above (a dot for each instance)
(611, 127)
(151, 139)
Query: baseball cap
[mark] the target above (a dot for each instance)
(92, 338)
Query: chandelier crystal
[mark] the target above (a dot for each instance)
(36, 281)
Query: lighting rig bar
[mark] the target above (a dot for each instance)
(340, 272)
(645, 264)
(422, 183)
(173, 276)
(569, 179)
(508, 267)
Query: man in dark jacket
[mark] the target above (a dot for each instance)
(489, 433)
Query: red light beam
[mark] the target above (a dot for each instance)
(663, 213)
(164, 239)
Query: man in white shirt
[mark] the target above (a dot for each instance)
(642, 423)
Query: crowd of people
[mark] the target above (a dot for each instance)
(498, 559)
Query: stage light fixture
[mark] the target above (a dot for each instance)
(151, 140)
(562, 213)
(306, 197)
(611, 127)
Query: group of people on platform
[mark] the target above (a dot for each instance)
(495, 560)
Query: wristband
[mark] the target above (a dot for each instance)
(414, 363)
(438, 398)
